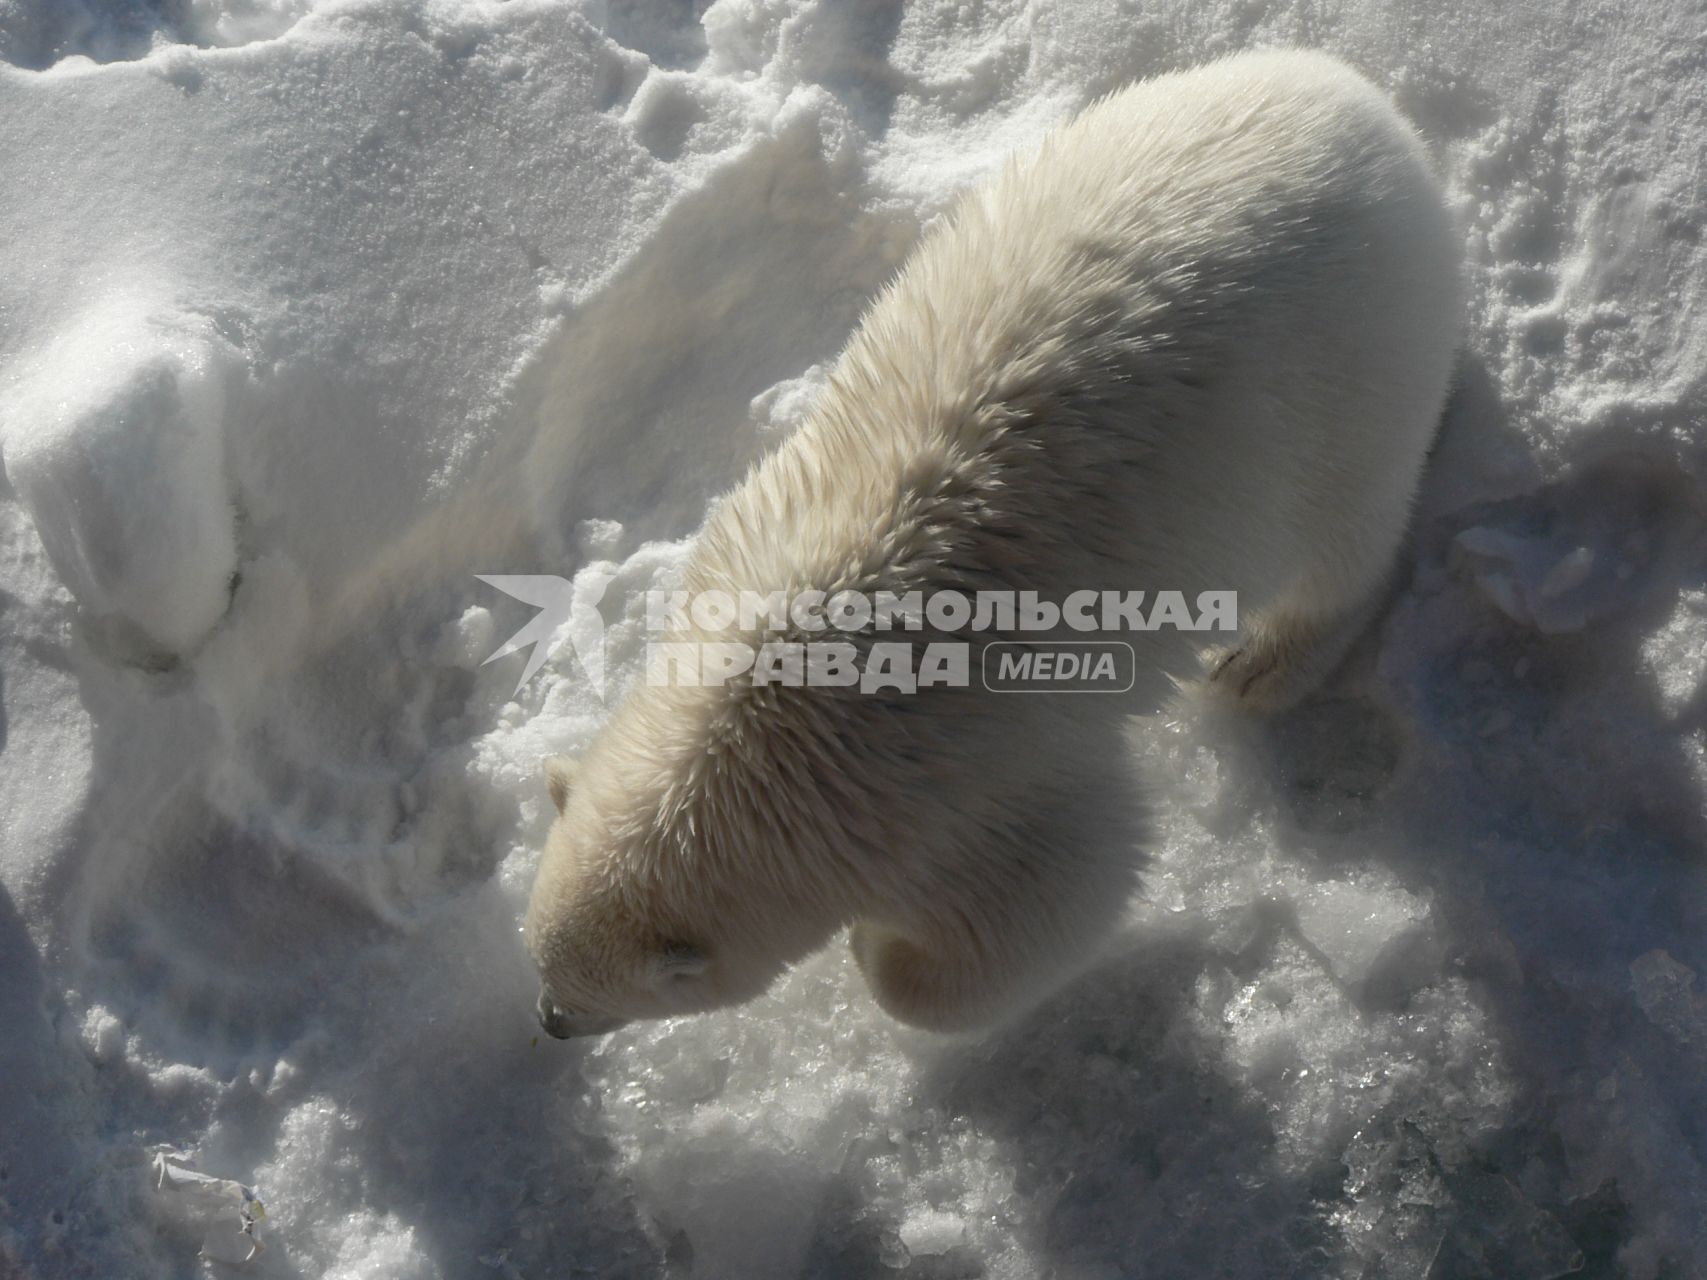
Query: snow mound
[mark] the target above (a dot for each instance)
(113, 437)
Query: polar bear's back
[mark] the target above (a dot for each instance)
(1198, 338)
(1244, 275)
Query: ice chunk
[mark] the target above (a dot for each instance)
(113, 437)
(103, 1035)
(1535, 582)
(226, 1212)
(1411, 1213)
(1675, 655)
(1352, 925)
(930, 1232)
(1665, 991)
(743, 1209)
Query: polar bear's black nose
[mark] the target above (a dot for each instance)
(552, 1022)
(565, 1026)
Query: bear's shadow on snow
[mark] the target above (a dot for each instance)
(40, 1164)
(1539, 791)
(1535, 789)
(521, 1168)
(1545, 796)
(1132, 1152)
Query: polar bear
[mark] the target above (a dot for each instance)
(1198, 339)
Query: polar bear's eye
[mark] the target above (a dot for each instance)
(681, 960)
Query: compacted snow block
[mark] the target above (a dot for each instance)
(113, 437)
(1198, 341)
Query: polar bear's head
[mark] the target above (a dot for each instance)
(628, 921)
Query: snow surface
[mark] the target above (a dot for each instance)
(313, 310)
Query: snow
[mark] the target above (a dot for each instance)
(113, 443)
(318, 309)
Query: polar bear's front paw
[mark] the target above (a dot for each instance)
(1263, 675)
(1236, 670)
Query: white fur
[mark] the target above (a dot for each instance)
(1199, 339)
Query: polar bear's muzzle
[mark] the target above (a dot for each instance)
(566, 1026)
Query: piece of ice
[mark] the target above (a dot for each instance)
(1675, 655)
(1567, 574)
(1665, 990)
(103, 1035)
(227, 1212)
(1532, 580)
(1351, 924)
(930, 1232)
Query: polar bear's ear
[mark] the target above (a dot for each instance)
(681, 960)
(559, 776)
